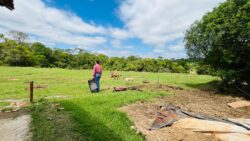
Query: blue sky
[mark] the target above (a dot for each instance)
(145, 28)
(103, 12)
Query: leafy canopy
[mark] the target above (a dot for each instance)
(221, 39)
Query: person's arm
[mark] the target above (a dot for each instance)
(101, 72)
(93, 72)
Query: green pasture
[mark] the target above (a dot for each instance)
(86, 116)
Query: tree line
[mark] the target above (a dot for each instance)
(15, 51)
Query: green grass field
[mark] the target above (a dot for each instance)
(86, 116)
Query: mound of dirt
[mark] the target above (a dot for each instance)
(204, 102)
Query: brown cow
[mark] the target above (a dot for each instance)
(115, 75)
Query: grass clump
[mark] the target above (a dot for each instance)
(49, 123)
(3, 104)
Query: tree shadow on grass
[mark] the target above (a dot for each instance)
(88, 126)
(217, 87)
(212, 85)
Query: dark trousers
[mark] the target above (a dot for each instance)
(97, 81)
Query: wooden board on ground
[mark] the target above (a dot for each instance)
(239, 104)
(223, 131)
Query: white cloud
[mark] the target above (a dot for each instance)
(116, 43)
(172, 51)
(176, 48)
(109, 52)
(120, 45)
(50, 24)
(120, 34)
(158, 22)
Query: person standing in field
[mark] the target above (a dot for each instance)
(97, 73)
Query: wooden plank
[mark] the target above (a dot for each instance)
(209, 126)
(239, 104)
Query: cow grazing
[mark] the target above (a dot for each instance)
(115, 75)
(129, 79)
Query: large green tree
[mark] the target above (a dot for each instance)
(42, 54)
(221, 38)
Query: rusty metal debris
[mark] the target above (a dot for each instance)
(120, 88)
(166, 116)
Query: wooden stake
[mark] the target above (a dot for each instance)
(31, 91)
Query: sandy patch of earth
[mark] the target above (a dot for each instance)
(15, 129)
(204, 102)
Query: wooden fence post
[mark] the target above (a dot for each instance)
(31, 91)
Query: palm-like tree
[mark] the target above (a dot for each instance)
(7, 3)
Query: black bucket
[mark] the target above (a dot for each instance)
(93, 86)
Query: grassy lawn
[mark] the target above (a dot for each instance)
(85, 116)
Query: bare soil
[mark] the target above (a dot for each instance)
(204, 102)
(6, 115)
(15, 129)
(14, 125)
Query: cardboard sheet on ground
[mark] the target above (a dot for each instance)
(243, 122)
(239, 104)
(209, 126)
(223, 131)
(167, 115)
(232, 137)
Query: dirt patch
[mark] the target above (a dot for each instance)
(15, 129)
(9, 106)
(158, 87)
(197, 101)
(13, 108)
(21, 112)
(147, 87)
(13, 79)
